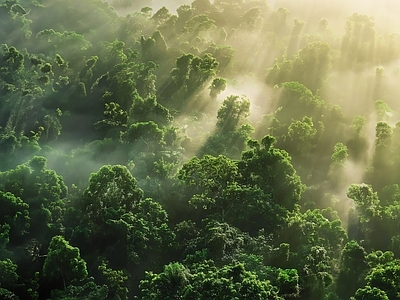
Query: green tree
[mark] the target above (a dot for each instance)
(184, 14)
(231, 281)
(312, 64)
(89, 290)
(187, 78)
(280, 72)
(170, 284)
(311, 243)
(52, 127)
(119, 223)
(146, 131)
(115, 281)
(358, 43)
(337, 166)
(234, 110)
(148, 234)
(298, 27)
(385, 277)
(63, 261)
(114, 121)
(217, 86)
(13, 58)
(201, 6)
(68, 44)
(15, 213)
(301, 136)
(251, 18)
(206, 281)
(211, 178)
(370, 215)
(4, 239)
(382, 110)
(297, 101)
(8, 274)
(383, 133)
(161, 16)
(212, 184)
(353, 268)
(357, 142)
(271, 170)
(111, 190)
(383, 150)
(231, 133)
(43, 190)
(366, 200)
(199, 23)
(317, 276)
(277, 23)
(370, 293)
(288, 283)
(286, 280)
(340, 154)
(223, 242)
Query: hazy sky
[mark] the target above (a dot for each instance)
(385, 12)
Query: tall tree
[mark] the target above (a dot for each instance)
(271, 170)
(112, 190)
(232, 113)
(63, 261)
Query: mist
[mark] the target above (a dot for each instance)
(197, 136)
(354, 87)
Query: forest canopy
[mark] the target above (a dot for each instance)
(226, 149)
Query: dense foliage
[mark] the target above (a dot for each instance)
(212, 152)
